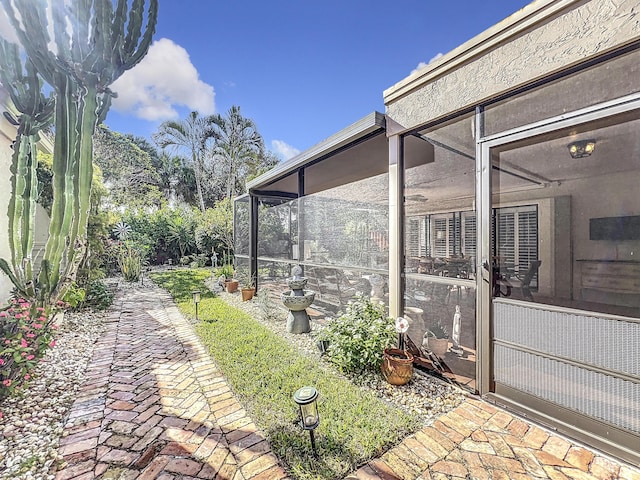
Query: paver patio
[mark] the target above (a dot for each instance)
(155, 406)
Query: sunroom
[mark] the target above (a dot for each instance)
(498, 195)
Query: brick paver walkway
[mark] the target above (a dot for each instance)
(482, 442)
(154, 406)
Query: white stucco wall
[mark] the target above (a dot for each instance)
(543, 38)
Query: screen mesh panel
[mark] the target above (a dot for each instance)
(599, 396)
(601, 343)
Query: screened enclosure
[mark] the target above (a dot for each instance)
(332, 219)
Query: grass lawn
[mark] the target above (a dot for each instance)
(264, 371)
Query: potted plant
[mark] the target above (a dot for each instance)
(397, 363)
(247, 284)
(227, 272)
(436, 339)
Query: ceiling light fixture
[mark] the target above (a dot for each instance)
(581, 148)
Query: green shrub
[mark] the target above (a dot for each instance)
(131, 261)
(358, 337)
(226, 270)
(269, 310)
(74, 296)
(98, 296)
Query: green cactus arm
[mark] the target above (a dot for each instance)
(6, 269)
(135, 57)
(116, 55)
(134, 27)
(33, 18)
(81, 11)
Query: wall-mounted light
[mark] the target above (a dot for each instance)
(581, 148)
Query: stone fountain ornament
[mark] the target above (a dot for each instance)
(297, 299)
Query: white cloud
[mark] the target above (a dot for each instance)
(421, 65)
(437, 56)
(284, 149)
(163, 79)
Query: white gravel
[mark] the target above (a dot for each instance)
(33, 421)
(425, 396)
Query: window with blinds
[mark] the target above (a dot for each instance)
(514, 235)
(515, 230)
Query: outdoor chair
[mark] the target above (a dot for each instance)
(521, 283)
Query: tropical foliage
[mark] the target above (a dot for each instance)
(238, 146)
(128, 173)
(190, 136)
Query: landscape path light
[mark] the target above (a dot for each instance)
(306, 398)
(196, 300)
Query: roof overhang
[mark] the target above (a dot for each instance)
(358, 151)
(518, 23)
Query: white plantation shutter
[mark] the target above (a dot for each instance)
(413, 237)
(469, 235)
(516, 234)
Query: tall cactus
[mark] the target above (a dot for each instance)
(35, 113)
(95, 43)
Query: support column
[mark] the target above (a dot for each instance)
(483, 260)
(253, 239)
(396, 226)
(300, 217)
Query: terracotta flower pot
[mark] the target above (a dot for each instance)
(247, 293)
(397, 366)
(231, 286)
(438, 346)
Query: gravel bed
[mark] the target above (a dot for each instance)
(32, 422)
(425, 396)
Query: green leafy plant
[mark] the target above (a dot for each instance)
(439, 330)
(74, 295)
(269, 310)
(358, 337)
(25, 335)
(243, 274)
(98, 296)
(225, 270)
(131, 260)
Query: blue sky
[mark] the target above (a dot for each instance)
(301, 70)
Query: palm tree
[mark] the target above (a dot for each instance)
(237, 145)
(190, 135)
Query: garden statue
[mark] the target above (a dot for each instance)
(214, 260)
(455, 333)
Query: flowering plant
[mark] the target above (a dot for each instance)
(26, 333)
(358, 337)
